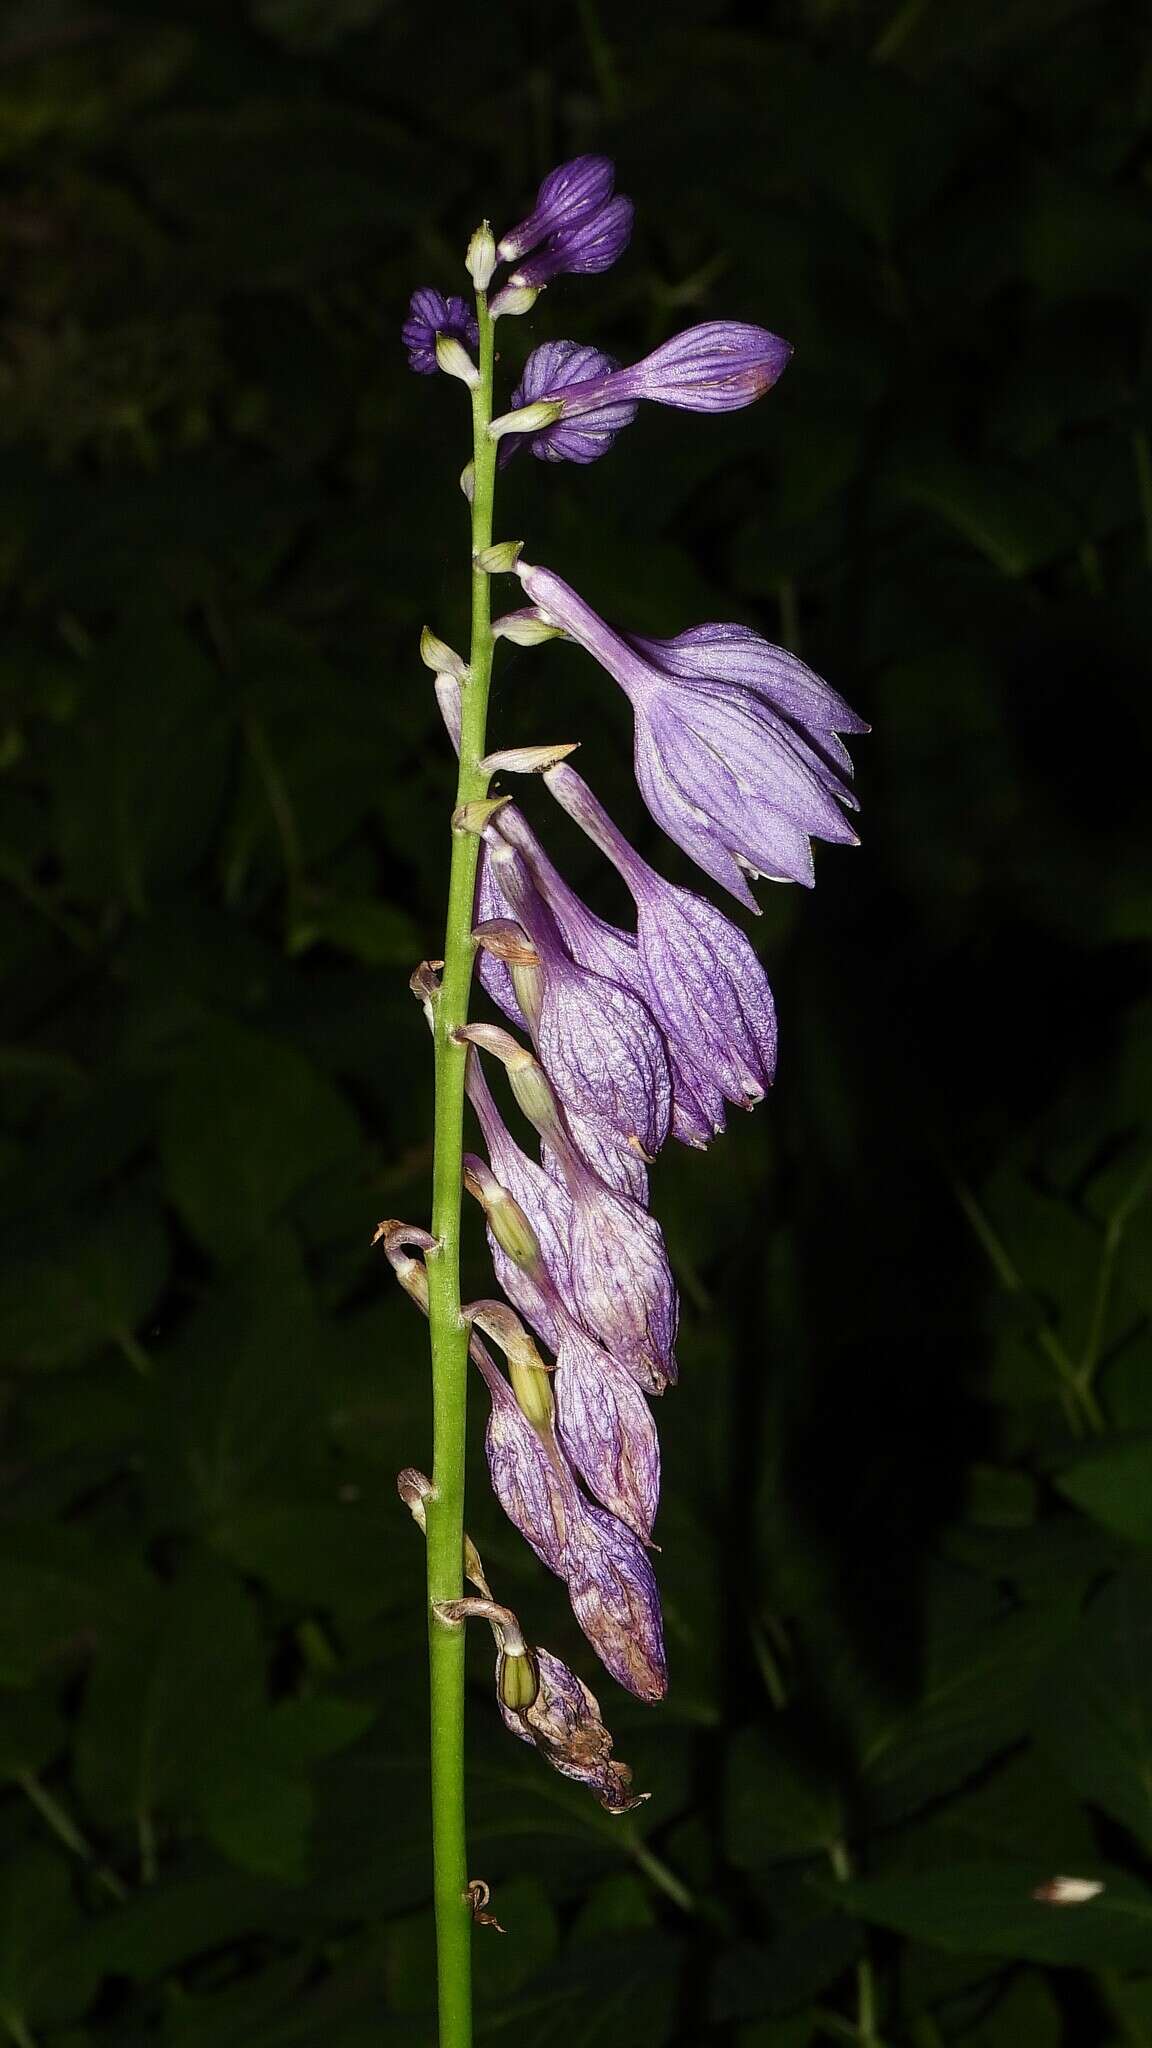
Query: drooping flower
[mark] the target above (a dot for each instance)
(549, 371)
(430, 314)
(606, 1428)
(598, 1042)
(545, 1202)
(614, 1597)
(704, 983)
(570, 195)
(719, 366)
(734, 740)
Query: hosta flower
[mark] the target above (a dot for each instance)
(545, 1202)
(705, 985)
(430, 314)
(606, 1428)
(734, 740)
(570, 195)
(530, 1480)
(550, 369)
(613, 1592)
(598, 1042)
(717, 367)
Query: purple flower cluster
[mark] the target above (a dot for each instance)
(621, 1038)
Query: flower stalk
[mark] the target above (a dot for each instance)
(449, 1332)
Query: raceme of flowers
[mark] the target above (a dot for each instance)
(614, 1040)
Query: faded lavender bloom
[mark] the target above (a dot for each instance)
(549, 371)
(697, 1103)
(734, 740)
(545, 1704)
(620, 1284)
(598, 1042)
(545, 1202)
(606, 1428)
(529, 1478)
(615, 1600)
(705, 985)
(565, 1724)
(717, 367)
(430, 314)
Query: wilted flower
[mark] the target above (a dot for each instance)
(717, 367)
(613, 1592)
(733, 739)
(705, 985)
(530, 1480)
(544, 1201)
(606, 1428)
(431, 314)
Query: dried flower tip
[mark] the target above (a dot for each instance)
(525, 628)
(480, 261)
(468, 481)
(504, 939)
(528, 760)
(477, 1894)
(453, 358)
(424, 983)
(411, 1273)
(476, 816)
(440, 658)
(514, 300)
(1068, 1891)
(529, 419)
(499, 559)
(503, 1214)
(414, 1489)
(517, 1682)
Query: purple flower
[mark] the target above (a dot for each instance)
(704, 983)
(529, 1478)
(697, 1103)
(548, 372)
(430, 314)
(734, 740)
(581, 251)
(606, 1429)
(570, 195)
(565, 1725)
(545, 1201)
(615, 1600)
(717, 367)
(598, 1042)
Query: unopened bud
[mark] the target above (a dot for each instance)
(454, 359)
(515, 298)
(499, 559)
(503, 1215)
(525, 629)
(440, 658)
(527, 419)
(477, 815)
(468, 481)
(517, 1682)
(480, 261)
(528, 760)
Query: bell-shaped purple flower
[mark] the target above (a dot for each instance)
(614, 1597)
(549, 371)
(529, 1478)
(704, 983)
(727, 764)
(565, 1725)
(598, 1042)
(717, 367)
(430, 314)
(569, 196)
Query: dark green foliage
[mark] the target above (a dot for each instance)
(908, 1494)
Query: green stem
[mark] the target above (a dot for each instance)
(445, 1511)
(64, 1827)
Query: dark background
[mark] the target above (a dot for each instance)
(908, 1494)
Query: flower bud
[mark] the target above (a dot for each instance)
(529, 419)
(453, 358)
(514, 299)
(503, 1214)
(480, 261)
(440, 658)
(525, 628)
(499, 559)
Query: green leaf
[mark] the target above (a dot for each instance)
(43, 1975)
(1114, 1486)
(246, 1125)
(165, 1697)
(253, 1785)
(61, 1598)
(594, 1997)
(989, 1909)
(93, 1287)
(1095, 1717)
(775, 1806)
